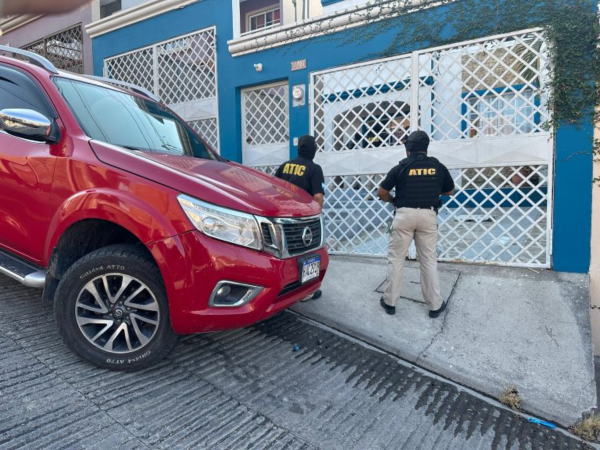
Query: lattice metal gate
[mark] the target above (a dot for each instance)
(265, 125)
(483, 104)
(63, 49)
(182, 72)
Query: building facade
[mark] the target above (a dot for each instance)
(253, 75)
(61, 39)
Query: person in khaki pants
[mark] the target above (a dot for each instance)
(418, 181)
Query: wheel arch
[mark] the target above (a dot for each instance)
(80, 239)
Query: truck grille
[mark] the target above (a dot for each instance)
(266, 232)
(295, 234)
(291, 237)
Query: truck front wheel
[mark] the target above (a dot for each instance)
(111, 309)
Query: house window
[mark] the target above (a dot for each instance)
(500, 115)
(109, 7)
(264, 19)
(64, 49)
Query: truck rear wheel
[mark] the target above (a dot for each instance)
(112, 310)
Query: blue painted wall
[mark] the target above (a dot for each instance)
(573, 198)
(572, 207)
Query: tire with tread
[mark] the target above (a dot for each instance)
(133, 262)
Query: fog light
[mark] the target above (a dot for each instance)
(229, 294)
(224, 291)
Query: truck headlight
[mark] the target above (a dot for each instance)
(221, 223)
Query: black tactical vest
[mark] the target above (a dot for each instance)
(419, 181)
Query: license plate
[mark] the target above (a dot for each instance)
(310, 269)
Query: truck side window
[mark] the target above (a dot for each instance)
(19, 91)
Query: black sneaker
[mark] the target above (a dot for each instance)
(391, 310)
(437, 312)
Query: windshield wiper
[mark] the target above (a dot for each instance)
(138, 149)
(168, 146)
(129, 147)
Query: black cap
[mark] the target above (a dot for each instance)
(418, 141)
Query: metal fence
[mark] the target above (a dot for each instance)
(499, 215)
(64, 49)
(483, 103)
(182, 72)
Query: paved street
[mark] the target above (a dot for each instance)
(237, 390)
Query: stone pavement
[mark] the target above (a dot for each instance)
(504, 327)
(243, 389)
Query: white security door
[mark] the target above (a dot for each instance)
(265, 125)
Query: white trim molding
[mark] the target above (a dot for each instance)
(235, 8)
(11, 23)
(326, 24)
(133, 15)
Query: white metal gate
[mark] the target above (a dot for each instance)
(182, 72)
(483, 103)
(265, 125)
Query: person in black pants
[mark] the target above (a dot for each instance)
(305, 174)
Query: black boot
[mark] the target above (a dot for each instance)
(437, 312)
(391, 310)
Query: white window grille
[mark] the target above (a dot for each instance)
(483, 103)
(265, 125)
(182, 72)
(64, 49)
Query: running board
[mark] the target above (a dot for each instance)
(22, 271)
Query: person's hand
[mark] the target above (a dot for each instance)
(11, 7)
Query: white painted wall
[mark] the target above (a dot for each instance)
(315, 9)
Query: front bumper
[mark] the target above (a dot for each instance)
(193, 264)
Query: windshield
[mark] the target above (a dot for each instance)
(131, 122)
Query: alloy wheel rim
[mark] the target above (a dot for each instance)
(117, 313)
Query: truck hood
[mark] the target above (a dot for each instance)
(226, 184)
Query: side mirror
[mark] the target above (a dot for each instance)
(28, 124)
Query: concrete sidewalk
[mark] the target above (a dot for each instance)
(503, 327)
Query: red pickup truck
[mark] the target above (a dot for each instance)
(132, 225)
